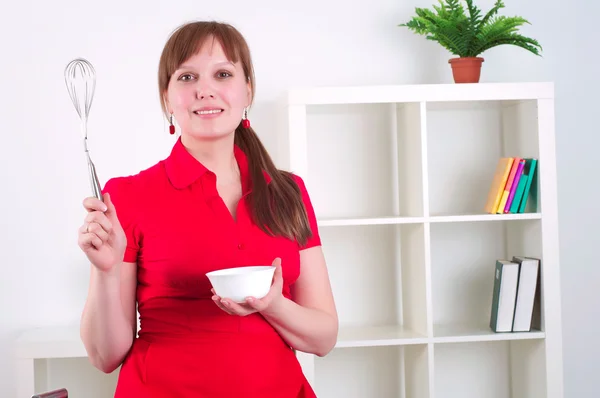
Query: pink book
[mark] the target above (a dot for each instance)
(515, 183)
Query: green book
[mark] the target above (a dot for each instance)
(527, 189)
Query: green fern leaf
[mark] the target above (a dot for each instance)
(464, 32)
(515, 40)
(490, 14)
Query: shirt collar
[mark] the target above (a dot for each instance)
(183, 169)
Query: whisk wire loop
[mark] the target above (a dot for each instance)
(80, 79)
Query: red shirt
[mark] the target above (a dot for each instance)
(178, 228)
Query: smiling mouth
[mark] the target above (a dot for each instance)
(208, 112)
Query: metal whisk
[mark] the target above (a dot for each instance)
(80, 78)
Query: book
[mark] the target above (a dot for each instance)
(503, 168)
(527, 288)
(526, 191)
(508, 185)
(515, 183)
(514, 207)
(506, 276)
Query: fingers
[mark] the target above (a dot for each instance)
(97, 227)
(111, 211)
(230, 307)
(99, 219)
(256, 304)
(94, 228)
(92, 235)
(236, 308)
(94, 204)
(99, 224)
(278, 274)
(242, 309)
(218, 301)
(277, 263)
(90, 240)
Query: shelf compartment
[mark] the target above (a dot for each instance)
(378, 276)
(374, 160)
(374, 372)
(491, 369)
(464, 143)
(359, 372)
(463, 259)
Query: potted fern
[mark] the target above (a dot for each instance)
(467, 36)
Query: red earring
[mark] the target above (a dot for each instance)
(171, 127)
(245, 121)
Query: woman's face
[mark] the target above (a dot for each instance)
(207, 94)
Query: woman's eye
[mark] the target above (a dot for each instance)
(224, 74)
(185, 77)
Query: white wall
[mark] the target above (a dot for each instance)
(44, 274)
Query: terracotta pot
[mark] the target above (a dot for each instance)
(466, 69)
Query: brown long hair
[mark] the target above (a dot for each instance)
(276, 207)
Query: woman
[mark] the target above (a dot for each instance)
(217, 201)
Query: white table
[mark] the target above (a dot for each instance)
(34, 347)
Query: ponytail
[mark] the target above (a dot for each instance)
(277, 208)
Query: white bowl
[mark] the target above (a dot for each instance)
(238, 283)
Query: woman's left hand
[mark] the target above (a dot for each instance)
(253, 304)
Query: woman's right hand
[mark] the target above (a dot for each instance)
(101, 236)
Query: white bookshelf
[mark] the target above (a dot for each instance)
(399, 176)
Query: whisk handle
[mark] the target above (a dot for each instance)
(94, 182)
